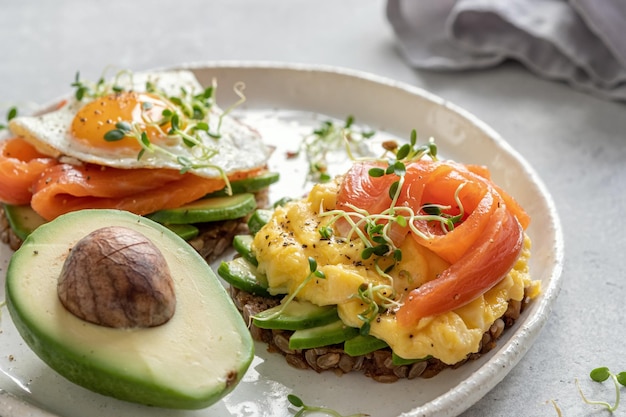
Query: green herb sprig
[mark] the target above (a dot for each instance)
(305, 409)
(11, 114)
(313, 273)
(378, 299)
(100, 88)
(330, 136)
(600, 375)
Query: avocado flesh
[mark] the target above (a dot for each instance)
(22, 219)
(190, 362)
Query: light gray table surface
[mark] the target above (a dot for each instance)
(577, 143)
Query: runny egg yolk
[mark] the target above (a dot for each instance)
(100, 116)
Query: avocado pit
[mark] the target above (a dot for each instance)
(116, 277)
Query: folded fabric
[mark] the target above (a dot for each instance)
(581, 42)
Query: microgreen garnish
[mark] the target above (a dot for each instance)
(184, 121)
(98, 89)
(378, 299)
(11, 114)
(330, 136)
(304, 408)
(313, 273)
(374, 230)
(600, 375)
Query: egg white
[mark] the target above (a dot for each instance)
(238, 148)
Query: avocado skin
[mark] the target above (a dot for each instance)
(96, 374)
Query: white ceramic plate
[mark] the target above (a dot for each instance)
(285, 102)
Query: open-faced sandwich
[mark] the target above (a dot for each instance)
(103, 293)
(154, 144)
(403, 266)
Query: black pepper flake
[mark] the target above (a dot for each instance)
(304, 246)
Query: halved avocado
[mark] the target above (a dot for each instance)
(190, 362)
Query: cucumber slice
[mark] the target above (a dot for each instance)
(185, 231)
(249, 185)
(23, 219)
(296, 315)
(328, 334)
(243, 275)
(362, 345)
(281, 202)
(207, 210)
(259, 219)
(243, 246)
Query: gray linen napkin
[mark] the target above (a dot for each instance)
(582, 42)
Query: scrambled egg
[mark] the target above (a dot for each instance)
(284, 245)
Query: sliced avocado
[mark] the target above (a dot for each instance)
(243, 246)
(362, 345)
(328, 334)
(185, 231)
(242, 274)
(249, 185)
(22, 219)
(189, 362)
(259, 219)
(296, 315)
(398, 360)
(207, 210)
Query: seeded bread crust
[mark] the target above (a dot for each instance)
(376, 365)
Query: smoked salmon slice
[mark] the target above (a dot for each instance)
(481, 248)
(489, 259)
(20, 166)
(53, 188)
(365, 192)
(66, 188)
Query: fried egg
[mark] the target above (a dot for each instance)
(76, 129)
